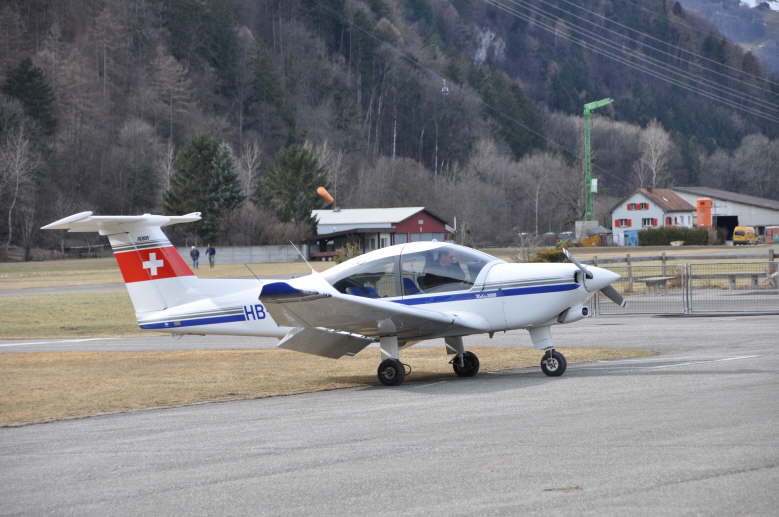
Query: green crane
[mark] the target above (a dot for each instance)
(587, 161)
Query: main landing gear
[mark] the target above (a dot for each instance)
(392, 372)
(465, 364)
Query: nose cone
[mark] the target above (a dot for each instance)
(600, 278)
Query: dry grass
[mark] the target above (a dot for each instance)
(67, 315)
(40, 387)
(63, 273)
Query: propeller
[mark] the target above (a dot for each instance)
(608, 291)
(613, 295)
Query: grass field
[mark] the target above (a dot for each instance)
(67, 315)
(39, 387)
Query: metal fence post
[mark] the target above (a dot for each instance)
(630, 273)
(663, 259)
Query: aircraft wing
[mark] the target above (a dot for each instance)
(368, 317)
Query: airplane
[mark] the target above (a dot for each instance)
(395, 296)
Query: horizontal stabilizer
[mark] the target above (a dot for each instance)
(103, 224)
(323, 342)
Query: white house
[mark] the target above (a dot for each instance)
(649, 208)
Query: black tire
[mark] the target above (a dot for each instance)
(391, 372)
(471, 365)
(553, 363)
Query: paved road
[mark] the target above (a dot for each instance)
(690, 431)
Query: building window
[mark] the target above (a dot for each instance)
(648, 221)
(401, 238)
(668, 221)
(623, 223)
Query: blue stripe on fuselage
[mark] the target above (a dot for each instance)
(518, 291)
(198, 321)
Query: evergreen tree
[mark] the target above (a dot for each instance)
(205, 181)
(28, 84)
(289, 187)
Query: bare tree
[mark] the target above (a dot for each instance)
(331, 159)
(656, 146)
(170, 81)
(248, 165)
(17, 164)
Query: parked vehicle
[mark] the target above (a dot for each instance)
(744, 235)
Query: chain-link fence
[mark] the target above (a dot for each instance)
(647, 290)
(694, 288)
(732, 287)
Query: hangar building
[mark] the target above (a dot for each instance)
(731, 209)
(374, 228)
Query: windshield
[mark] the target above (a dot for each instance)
(446, 268)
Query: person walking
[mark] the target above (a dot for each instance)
(194, 253)
(210, 253)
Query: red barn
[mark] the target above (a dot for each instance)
(374, 228)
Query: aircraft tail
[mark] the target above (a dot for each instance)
(156, 275)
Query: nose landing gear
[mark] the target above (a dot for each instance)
(553, 363)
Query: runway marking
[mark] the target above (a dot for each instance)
(4, 345)
(673, 365)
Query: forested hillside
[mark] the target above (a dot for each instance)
(240, 108)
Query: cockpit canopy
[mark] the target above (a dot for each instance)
(410, 269)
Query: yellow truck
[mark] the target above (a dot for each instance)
(744, 235)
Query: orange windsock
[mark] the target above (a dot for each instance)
(324, 194)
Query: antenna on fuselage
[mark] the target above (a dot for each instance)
(313, 271)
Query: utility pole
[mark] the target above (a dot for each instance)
(587, 161)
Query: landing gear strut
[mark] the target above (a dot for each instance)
(391, 371)
(553, 363)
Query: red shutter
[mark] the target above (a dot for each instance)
(630, 222)
(654, 222)
(616, 223)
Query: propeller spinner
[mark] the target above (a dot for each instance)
(607, 290)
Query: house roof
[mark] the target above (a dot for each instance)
(363, 216)
(725, 195)
(665, 198)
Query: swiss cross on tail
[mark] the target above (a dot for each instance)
(151, 264)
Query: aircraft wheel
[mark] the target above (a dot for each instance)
(391, 372)
(471, 365)
(553, 363)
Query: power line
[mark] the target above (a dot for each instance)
(669, 68)
(623, 60)
(669, 45)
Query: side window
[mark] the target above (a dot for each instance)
(439, 270)
(377, 279)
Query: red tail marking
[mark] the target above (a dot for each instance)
(152, 264)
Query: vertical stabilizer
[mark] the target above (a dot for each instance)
(156, 275)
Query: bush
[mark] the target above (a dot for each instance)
(664, 236)
(549, 255)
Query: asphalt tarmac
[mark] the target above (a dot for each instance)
(693, 430)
